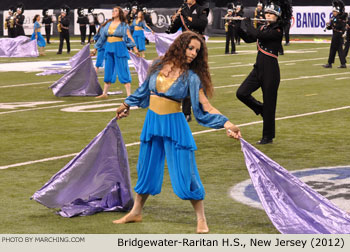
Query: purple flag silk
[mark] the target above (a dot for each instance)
(141, 66)
(164, 40)
(81, 80)
(21, 46)
(96, 180)
(81, 55)
(292, 206)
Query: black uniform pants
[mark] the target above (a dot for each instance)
(92, 31)
(12, 32)
(286, 29)
(265, 75)
(336, 46)
(48, 33)
(83, 33)
(230, 36)
(64, 35)
(347, 43)
(19, 31)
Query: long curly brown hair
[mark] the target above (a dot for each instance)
(176, 54)
(122, 17)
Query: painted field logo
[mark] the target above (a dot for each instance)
(331, 182)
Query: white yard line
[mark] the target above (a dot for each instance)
(60, 106)
(194, 133)
(218, 87)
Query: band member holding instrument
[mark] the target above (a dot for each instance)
(259, 14)
(266, 72)
(190, 17)
(230, 30)
(337, 24)
(10, 23)
(83, 21)
(63, 28)
(20, 20)
(47, 21)
(347, 37)
(238, 13)
(92, 17)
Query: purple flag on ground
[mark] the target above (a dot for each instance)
(292, 206)
(141, 66)
(97, 179)
(20, 46)
(81, 80)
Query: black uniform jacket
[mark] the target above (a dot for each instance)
(268, 37)
(47, 20)
(199, 19)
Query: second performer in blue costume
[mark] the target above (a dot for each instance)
(139, 25)
(37, 35)
(183, 71)
(116, 37)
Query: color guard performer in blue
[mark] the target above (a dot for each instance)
(116, 35)
(138, 25)
(266, 72)
(37, 35)
(183, 71)
(100, 51)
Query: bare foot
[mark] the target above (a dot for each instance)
(128, 218)
(202, 227)
(102, 96)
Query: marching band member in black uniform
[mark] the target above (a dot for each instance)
(92, 23)
(259, 14)
(133, 12)
(190, 16)
(347, 41)
(126, 11)
(10, 23)
(238, 13)
(63, 28)
(266, 73)
(337, 24)
(230, 31)
(83, 21)
(20, 20)
(47, 21)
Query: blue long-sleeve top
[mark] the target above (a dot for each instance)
(36, 26)
(188, 84)
(120, 31)
(140, 24)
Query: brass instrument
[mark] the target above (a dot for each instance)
(10, 22)
(59, 28)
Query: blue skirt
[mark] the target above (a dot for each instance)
(41, 41)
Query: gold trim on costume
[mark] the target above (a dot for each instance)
(164, 83)
(163, 106)
(114, 39)
(138, 28)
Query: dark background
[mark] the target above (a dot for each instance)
(55, 4)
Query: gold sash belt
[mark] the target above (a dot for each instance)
(163, 106)
(138, 28)
(114, 39)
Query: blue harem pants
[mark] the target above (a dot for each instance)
(181, 165)
(116, 66)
